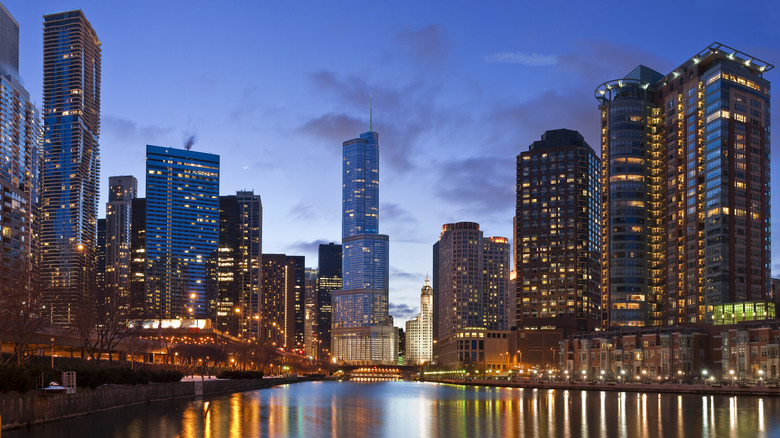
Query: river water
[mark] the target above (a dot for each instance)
(413, 409)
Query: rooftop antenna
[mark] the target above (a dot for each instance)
(370, 113)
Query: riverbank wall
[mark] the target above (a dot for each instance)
(665, 388)
(21, 410)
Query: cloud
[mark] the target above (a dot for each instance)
(402, 311)
(477, 185)
(400, 224)
(303, 247)
(528, 59)
(429, 44)
(335, 128)
(397, 274)
(595, 61)
(303, 212)
(131, 132)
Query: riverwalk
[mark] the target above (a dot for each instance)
(34, 407)
(666, 388)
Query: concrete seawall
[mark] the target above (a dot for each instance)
(18, 410)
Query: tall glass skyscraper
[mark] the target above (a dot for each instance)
(121, 192)
(685, 177)
(182, 232)
(362, 332)
(20, 135)
(71, 163)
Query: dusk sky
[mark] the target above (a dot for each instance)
(460, 88)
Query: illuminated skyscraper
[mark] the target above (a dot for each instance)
(71, 163)
(281, 275)
(362, 332)
(238, 264)
(419, 330)
(473, 289)
(20, 137)
(685, 173)
(182, 232)
(121, 192)
(329, 279)
(557, 234)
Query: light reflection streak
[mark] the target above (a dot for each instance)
(645, 426)
(733, 412)
(622, 430)
(584, 404)
(680, 416)
(761, 414)
(704, 426)
(603, 416)
(566, 431)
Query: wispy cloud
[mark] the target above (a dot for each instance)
(303, 247)
(528, 59)
(402, 311)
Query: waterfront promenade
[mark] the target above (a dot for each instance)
(34, 407)
(666, 388)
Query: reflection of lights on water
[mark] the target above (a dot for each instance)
(761, 414)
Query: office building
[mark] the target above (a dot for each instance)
(557, 234)
(119, 213)
(70, 174)
(419, 330)
(182, 232)
(329, 279)
(362, 332)
(473, 292)
(310, 338)
(138, 259)
(20, 139)
(685, 177)
(239, 261)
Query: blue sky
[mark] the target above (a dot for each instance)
(460, 88)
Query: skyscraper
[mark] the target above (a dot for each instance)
(71, 162)
(329, 279)
(419, 330)
(557, 234)
(20, 136)
(685, 172)
(280, 275)
(138, 259)
(362, 332)
(119, 213)
(182, 232)
(473, 291)
(310, 338)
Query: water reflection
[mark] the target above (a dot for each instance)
(406, 409)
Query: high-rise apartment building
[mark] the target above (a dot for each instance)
(362, 332)
(137, 282)
(557, 234)
(182, 232)
(119, 213)
(685, 176)
(299, 298)
(237, 306)
(329, 279)
(310, 338)
(71, 163)
(280, 274)
(20, 139)
(419, 330)
(473, 288)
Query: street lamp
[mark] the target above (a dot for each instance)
(733, 378)
(760, 377)
(623, 376)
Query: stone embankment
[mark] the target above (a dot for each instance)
(18, 410)
(668, 388)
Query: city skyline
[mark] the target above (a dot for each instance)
(513, 84)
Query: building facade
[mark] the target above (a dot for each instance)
(685, 172)
(277, 304)
(419, 330)
(20, 141)
(473, 291)
(119, 215)
(239, 259)
(310, 338)
(70, 173)
(329, 279)
(362, 332)
(182, 232)
(557, 234)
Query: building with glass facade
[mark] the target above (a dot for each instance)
(121, 192)
(236, 309)
(182, 232)
(362, 332)
(685, 173)
(419, 330)
(20, 140)
(473, 288)
(329, 279)
(70, 174)
(557, 234)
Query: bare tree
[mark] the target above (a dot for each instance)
(111, 321)
(21, 308)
